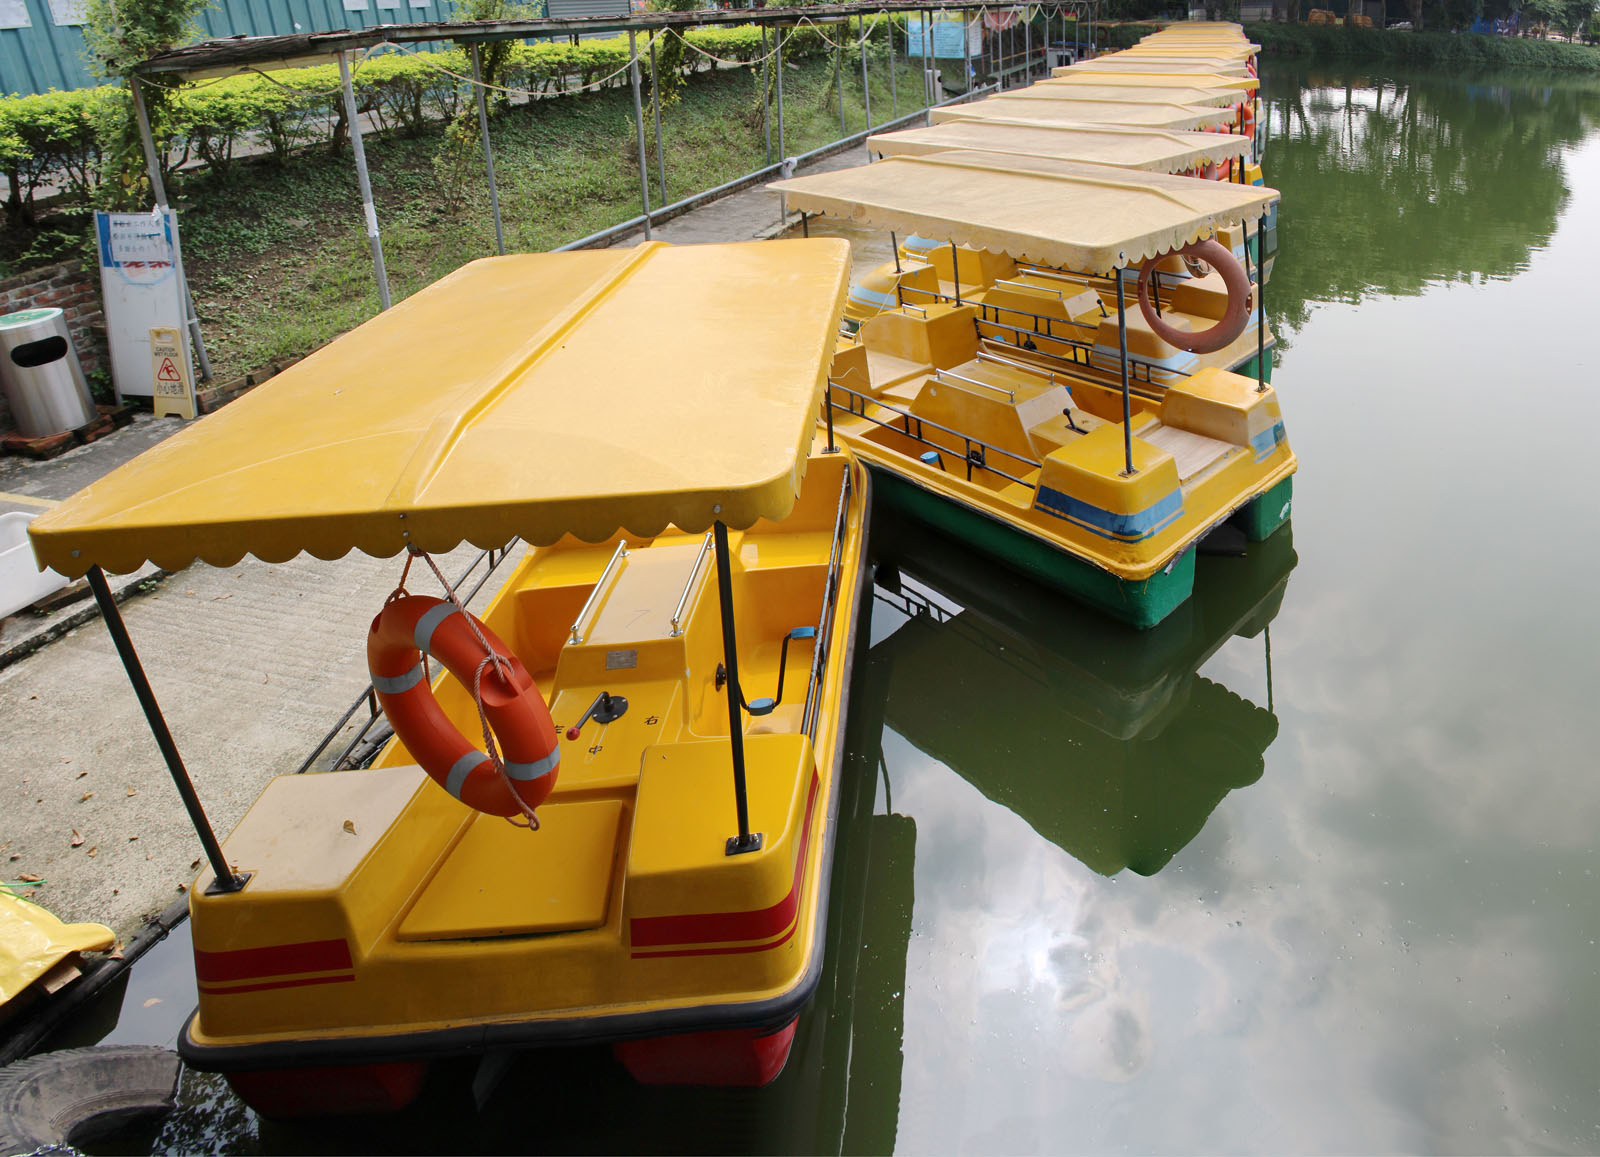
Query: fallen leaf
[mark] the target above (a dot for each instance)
(86, 797)
(194, 865)
(30, 878)
(216, 598)
(132, 838)
(152, 1002)
(77, 838)
(15, 856)
(133, 791)
(183, 887)
(350, 826)
(94, 850)
(81, 774)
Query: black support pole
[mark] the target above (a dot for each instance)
(1127, 402)
(226, 880)
(746, 840)
(1261, 302)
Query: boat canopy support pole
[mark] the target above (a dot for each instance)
(488, 151)
(655, 111)
(1261, 302)
(1127, 402)
(746, 840)
(955, 270)
(358, 149)
(638, 124)
(158, 187)
(227, 880)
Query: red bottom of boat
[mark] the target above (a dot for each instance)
(332, 1090)
(736, 1056)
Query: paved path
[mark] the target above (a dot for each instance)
(251, 664)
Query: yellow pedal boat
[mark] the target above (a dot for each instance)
(687, 608)
(1100, 490)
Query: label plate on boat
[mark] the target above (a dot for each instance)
(622, 660)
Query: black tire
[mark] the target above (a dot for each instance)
(76, 1095)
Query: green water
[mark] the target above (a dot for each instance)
(1309, 868)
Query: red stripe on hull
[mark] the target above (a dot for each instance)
(213, 990)
(277, 960)
(721, 927)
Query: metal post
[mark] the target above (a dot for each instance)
(866, 90)
(838, 80)
(638, 121)
(778, 38)
(1027, 49)
(488, 150)
(766, 95)
(227, 881)
(955, 270)
(894, 91)
(655, 111)
(1261, 304)
(746, 840)
(158, 188)
(374, 242)
(1127, 402)
(927, 58)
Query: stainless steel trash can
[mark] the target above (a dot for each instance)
(40, 374)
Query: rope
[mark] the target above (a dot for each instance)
(426, 58)
(817, 28)
(491, 657)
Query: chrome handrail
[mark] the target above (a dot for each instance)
(1060, 294)
(809, 713)
(688, 587)
(574, 636)
(986, 356)
(1011, 395)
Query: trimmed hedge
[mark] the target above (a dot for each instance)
(62, 137)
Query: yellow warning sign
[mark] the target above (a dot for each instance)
(170, 363)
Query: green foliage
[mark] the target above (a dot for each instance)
(1433, 48)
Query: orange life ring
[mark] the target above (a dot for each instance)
(1234, 318)
(515, 709)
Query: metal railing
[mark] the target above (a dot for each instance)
(688, 587)
(975, 451)
(574, 635)
(830, 599)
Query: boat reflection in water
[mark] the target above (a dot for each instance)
(1107, 742)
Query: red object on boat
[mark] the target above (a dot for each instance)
(744, 1057)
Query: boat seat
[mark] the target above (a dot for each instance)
(1192, 452)
(886, 370)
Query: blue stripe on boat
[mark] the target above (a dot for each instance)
(1123, 527)
(1267, 441)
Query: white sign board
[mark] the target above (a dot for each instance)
(140, 287)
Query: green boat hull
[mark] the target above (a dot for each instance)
(1247, 368)
(1264, 513)
(1139, 603)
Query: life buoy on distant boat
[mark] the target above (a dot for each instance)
(1234, 318)
(511, 702)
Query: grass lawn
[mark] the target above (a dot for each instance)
(278, 259)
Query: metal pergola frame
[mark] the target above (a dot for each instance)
(218, 58)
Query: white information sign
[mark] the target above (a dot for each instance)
(141, 290)
(14, 14)
(66, 13)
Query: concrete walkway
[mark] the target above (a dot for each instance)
(252, 665)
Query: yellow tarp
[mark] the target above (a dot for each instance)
(1084, 112)
(1153, 150)
(532, 396)
(1126, 94)
(33, 941)
(1092, 218)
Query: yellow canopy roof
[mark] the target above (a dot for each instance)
(1155, 80)
(1084, 112)
(1126, 94)
(1214, 66)
(1091, 218)
(1153, 150)
(532, 396)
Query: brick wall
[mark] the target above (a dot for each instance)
(72, 287)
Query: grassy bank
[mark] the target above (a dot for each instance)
(277, 255)
(1427, 48)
